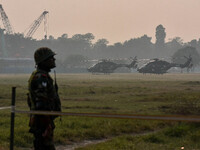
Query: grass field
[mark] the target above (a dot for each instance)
(168, 94)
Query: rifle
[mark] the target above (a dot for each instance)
(58, 102)
(56, 85)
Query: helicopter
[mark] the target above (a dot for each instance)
(158, 66)
(107, 66)
(188, 64)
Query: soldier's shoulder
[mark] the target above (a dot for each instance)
(39, 74)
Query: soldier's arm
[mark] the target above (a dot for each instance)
(39, 88)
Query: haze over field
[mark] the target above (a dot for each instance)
(115, 20)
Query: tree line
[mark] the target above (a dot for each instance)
(81, 47)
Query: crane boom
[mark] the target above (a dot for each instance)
(6, 21)
(36, 24)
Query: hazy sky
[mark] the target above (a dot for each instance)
(115, 20)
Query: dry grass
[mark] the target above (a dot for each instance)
(114, 93)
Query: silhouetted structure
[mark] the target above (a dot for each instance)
(160, 67)
(109, 67)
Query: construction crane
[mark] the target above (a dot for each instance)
(6, 22)
(34, 26)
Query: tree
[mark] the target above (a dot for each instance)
(177, 40)
(160, 35)
(193, 43)
(51, 38)
(173, 45)
(181, 55)
(141, 47)
(100, 47)
(160, 49)
(101, 42)
(65, 36)
(83, 37)
(75, 61)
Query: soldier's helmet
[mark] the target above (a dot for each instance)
(42, 54)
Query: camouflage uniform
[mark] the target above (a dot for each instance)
(43, 96)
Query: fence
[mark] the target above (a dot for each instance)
(119, 116)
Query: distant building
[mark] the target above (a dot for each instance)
(16, 65)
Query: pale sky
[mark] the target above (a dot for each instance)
(115, 20)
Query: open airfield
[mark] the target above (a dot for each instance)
(133, 93)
